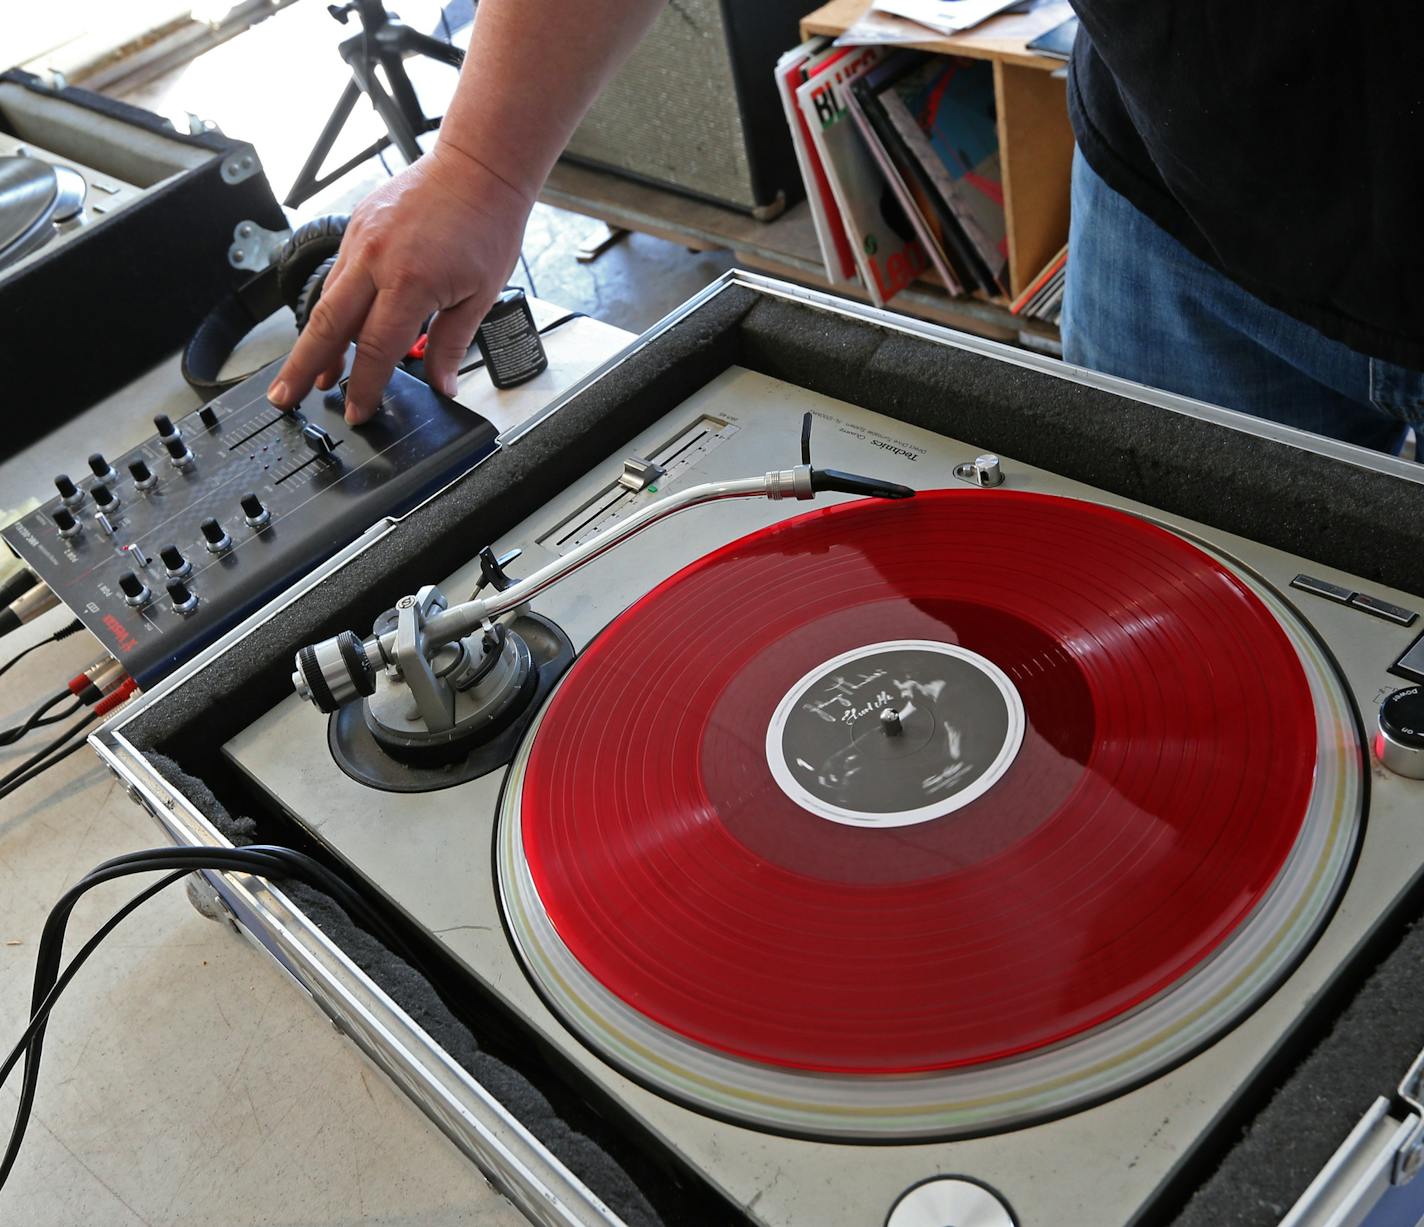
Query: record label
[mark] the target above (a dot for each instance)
(895, 733)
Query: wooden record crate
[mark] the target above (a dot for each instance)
(1035, 140)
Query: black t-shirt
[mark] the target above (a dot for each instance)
(1282, 143)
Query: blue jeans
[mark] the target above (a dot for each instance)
(1138, 304)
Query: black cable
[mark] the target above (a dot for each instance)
(265, 859)
(23, 773)
(73, 628)
(549, 327)
(43, 767)
(36, 718)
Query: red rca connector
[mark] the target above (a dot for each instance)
(122, 695)
(102, 677)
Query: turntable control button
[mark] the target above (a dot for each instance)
(1399, 743)
(1323, 588)
(1411, 664)
(945, 1199)
(638, 474)
(1383, 609)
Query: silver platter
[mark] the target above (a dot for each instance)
(36, 199)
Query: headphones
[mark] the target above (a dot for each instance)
(293, 279)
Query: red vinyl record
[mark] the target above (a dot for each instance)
(891, 788)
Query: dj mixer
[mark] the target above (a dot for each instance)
(160, 550)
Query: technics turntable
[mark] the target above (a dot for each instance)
(977, 847)
(44, 198)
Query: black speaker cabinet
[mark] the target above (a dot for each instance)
(695, 108)
(121, 287)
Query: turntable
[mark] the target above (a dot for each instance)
(904, 835)
(45, 198)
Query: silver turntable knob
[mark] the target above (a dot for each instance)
(1399, 743)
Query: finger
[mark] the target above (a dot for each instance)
(335, 320)
(450, 335)
(329, 377)
(387, 335)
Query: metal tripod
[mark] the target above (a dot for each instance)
(385, 43)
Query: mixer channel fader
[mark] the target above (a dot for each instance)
(161, 550)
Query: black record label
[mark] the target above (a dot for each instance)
(895, 733)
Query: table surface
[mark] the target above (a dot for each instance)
(185, 1077)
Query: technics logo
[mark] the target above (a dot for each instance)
(895, 733)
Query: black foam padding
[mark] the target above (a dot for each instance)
(409, 989)
(1357, 519)
(1371, 1044)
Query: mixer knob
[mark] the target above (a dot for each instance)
(172, 558)
(178, 451)
(256, 515)
(164, 425)
(208, 416)
(142, 475)
(68, 491)
(215, 536)
(66, 523)
(184, 600)
(1399, 743)
(135, 591)
(104, 498)
(101, 468)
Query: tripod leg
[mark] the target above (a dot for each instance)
(307, 182)
(416, 43)
(392, 112)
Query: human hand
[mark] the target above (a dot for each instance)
(440, 238)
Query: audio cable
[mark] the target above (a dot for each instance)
(72, 629)
(22, 581)
(56, 751)
(265, 860)
(35, 600)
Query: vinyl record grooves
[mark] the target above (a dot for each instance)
(918, 824)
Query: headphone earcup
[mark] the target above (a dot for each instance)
(310, 244)
(311, 292)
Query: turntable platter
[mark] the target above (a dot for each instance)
(915, 820)
(34, 196)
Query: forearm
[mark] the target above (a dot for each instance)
(533, 68)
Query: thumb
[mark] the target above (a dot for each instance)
(450, 334)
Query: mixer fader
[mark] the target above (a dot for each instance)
(162, 549)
